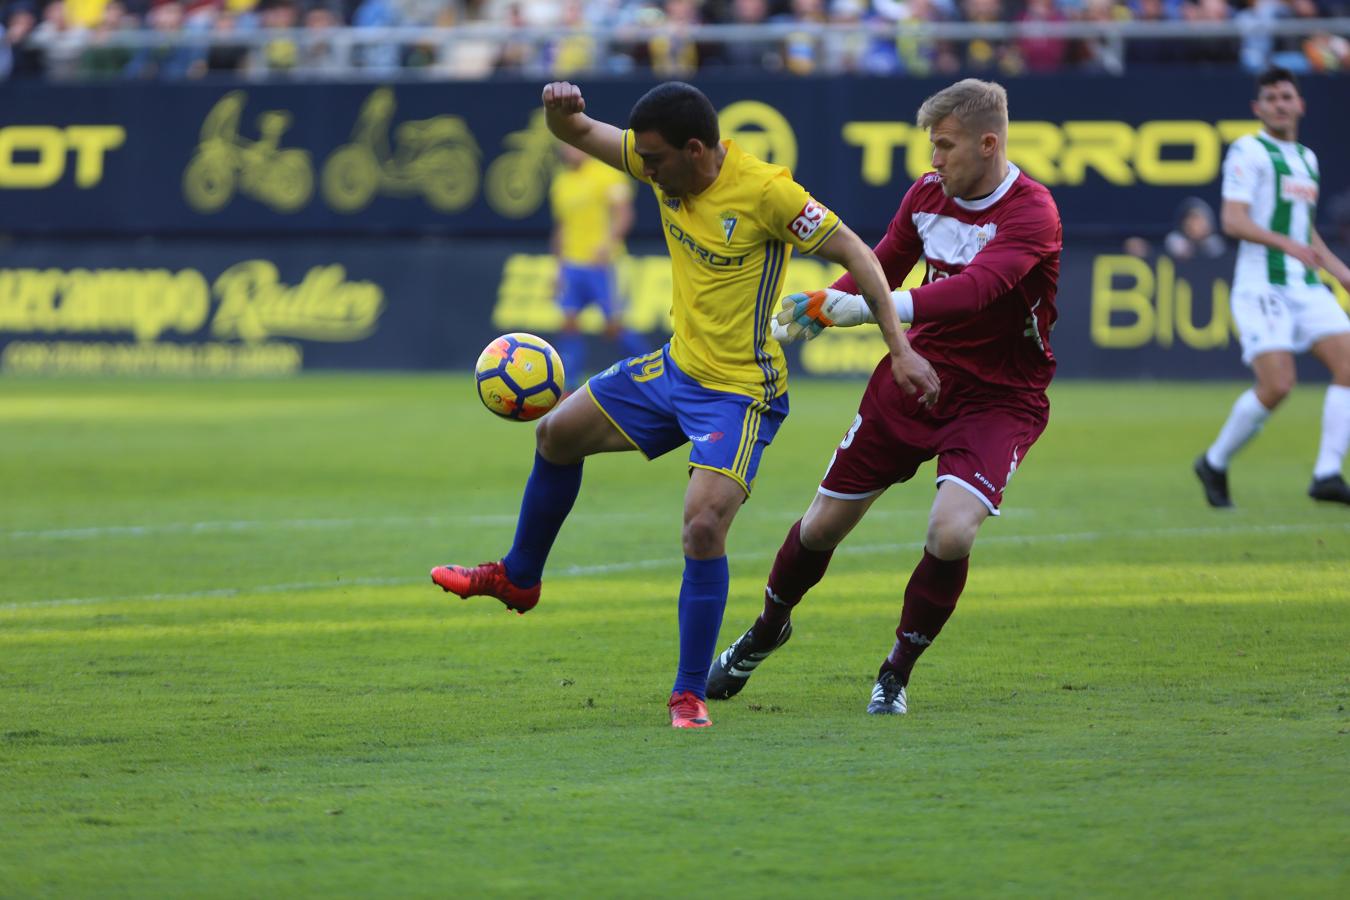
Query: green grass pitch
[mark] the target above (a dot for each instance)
(224, 672)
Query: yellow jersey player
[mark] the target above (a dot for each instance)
(730, 223)
(592, 208)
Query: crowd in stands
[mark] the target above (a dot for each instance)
(31, 33)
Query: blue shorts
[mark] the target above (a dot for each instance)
(658, 408)
(580, 286)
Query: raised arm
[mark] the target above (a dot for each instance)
(911, 371)
(565, 113)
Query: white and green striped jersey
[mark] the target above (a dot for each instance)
(1279, 181)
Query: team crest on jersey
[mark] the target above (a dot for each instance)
(985, 235)
(729, 220)
(672, 202)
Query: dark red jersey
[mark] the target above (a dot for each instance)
(987, 304)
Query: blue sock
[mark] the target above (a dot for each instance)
(572, 349)
(703, 599)
(549, 495)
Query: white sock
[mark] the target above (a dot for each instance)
(1243, 423)
(1335, 432)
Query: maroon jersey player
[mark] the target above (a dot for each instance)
(991, 238)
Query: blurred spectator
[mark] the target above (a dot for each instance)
(1195, 235)
(989, 55)
(673, 52)
(279, 55)
(18, 57)
(576, 51)
(383, 58)
(1100, 54)
(802, 47)
(223, 58)
(100, 60)
(62, 60)
(921, 57)
(168, 61)
(750, 55)
(1040, 52)
(516, 55)
(318, 54)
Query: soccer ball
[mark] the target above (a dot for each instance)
(519, 376)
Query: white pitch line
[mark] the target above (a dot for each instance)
(636, 565)
(242, 525)
(246, 525)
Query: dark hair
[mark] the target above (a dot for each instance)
(678, 112)
(1275, 75)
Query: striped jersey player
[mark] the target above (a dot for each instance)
(991, 238)
(1281, 307)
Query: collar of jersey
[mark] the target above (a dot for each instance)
(986, 202)
(1276, 141)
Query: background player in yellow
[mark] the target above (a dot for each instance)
(730, 221)
(592, 207)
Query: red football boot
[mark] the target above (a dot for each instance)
(486, 580)
(688, 711)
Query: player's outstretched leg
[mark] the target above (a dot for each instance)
(488, 579)
(796, 570)
(930, 599)
(516, 579)
(734, 666)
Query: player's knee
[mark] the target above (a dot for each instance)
(951, 538)
(819, 533)
(704, 536)
(1272, 391)
(552, 442)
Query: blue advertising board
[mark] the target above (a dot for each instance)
(201, 307)
(474, 160)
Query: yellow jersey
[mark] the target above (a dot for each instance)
(729, 247)
(582, 200)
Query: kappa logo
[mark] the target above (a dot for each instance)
(711, 437)
(918, 640)
(986, 482)
(672, 202)
(729, 220)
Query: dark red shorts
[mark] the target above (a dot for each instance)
(979, 439)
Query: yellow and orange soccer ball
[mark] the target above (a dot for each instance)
(520, 376)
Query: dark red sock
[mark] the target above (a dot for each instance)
(795, 571)
(930, 598)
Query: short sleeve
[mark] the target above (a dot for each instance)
(790, 214)
(632, 163)
(1241, 174)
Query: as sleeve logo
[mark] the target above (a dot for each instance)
(808, 220)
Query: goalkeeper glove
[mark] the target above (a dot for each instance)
(806, 315)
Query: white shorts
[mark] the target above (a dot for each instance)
(1288, 318)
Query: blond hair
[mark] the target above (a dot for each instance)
(980, 107)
